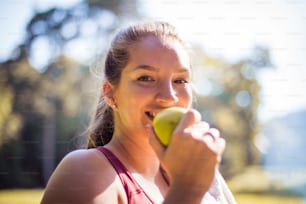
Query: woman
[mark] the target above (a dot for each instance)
(147, 69)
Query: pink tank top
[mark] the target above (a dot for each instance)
(135, 194)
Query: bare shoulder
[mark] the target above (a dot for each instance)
(83, 176)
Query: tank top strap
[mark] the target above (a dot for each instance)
(131, 187)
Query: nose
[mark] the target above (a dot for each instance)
(166, 94)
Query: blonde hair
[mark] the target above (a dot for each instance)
(101, 128)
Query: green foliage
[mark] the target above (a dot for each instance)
(230, 101)
(43, 114)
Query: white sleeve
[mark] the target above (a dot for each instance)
(219, 193)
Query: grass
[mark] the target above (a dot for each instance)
(255, 185)
(21, 196)
(267, 199)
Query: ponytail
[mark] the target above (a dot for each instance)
(102, 127)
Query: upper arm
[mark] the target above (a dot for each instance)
(82, 176)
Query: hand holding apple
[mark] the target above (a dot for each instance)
(195, 148)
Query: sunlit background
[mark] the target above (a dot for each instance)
(249, 74)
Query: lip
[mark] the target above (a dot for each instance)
(150, 115)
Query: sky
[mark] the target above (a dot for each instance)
(225, 28)
(14, 15)
(231, 28)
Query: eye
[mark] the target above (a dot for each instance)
(181, 81)
(145, 78)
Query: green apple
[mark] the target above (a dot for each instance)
(166, 121)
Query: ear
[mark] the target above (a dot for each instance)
(108, 92)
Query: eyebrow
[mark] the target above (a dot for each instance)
(146, 67)
(150, 68)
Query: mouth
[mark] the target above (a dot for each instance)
(151, 115)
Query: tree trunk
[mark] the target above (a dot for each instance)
(48, 148)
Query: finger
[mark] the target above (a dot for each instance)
(201, 126)
(214, 141)
(197, 130)
(190, 118)
(220, 145)
(212, 134)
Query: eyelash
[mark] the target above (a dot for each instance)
(145, 78)
(148, 78)
(181, 81)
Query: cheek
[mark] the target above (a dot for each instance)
(132, 95)
(189, 100)
(186, 94)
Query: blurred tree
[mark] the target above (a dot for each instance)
(41, 112)
(228, 97)
(89, 21)
(65, 87)
(20, 122)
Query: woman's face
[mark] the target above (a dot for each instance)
(156, 77)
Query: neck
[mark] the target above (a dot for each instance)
(136, 154)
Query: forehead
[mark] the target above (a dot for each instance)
(158, 51)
